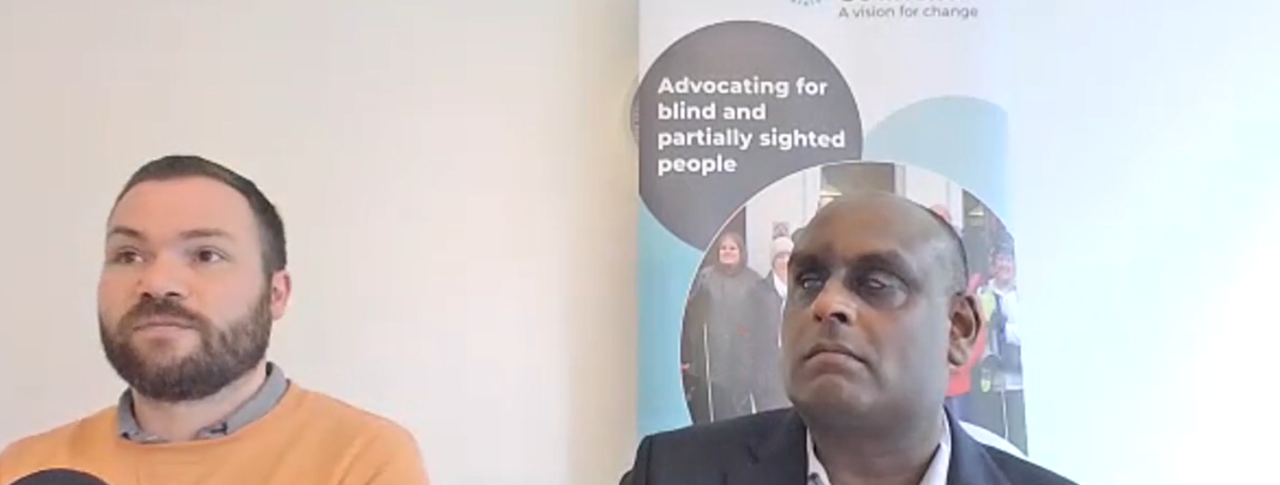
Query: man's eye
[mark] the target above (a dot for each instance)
(873, 283)
(880, 289)
(810, 281)
(126, 256)
(209, 256)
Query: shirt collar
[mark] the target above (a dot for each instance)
(1012, 289)
(255, 408)
(936, 474)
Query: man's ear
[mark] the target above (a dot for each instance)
(281, 287)
(966, 325)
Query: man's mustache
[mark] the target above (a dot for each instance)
(168, 310)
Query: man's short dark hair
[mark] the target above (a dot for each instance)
(275, 257)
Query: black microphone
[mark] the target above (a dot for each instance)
(59, 476)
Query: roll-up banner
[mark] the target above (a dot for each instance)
(752, 114)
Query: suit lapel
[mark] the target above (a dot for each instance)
(970, 463)
(779, 458)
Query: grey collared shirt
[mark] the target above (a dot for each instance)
(262, 402)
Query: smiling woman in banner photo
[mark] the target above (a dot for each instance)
(721, 313)
(730, 345)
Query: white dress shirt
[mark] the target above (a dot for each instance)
(935, 475)
(780, 287)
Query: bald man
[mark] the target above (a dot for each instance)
(876, 316)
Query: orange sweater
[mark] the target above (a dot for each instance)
(309, 438)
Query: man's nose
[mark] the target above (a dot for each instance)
(834, 305)
(163, 277)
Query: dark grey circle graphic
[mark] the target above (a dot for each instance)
(729, 109)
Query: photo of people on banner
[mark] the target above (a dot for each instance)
(730, 346)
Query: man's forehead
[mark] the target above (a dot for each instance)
(180, 205)
(874, 225)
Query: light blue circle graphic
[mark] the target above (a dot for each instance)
(667, 267)
(964, 139)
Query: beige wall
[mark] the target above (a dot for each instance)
(432, 160)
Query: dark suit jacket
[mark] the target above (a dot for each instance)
(769, 449)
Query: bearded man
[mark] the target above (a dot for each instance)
(194, 277)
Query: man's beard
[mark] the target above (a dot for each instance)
(223, 355)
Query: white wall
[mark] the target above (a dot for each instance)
(392, 136)
(1144, 145)
(457, 182)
